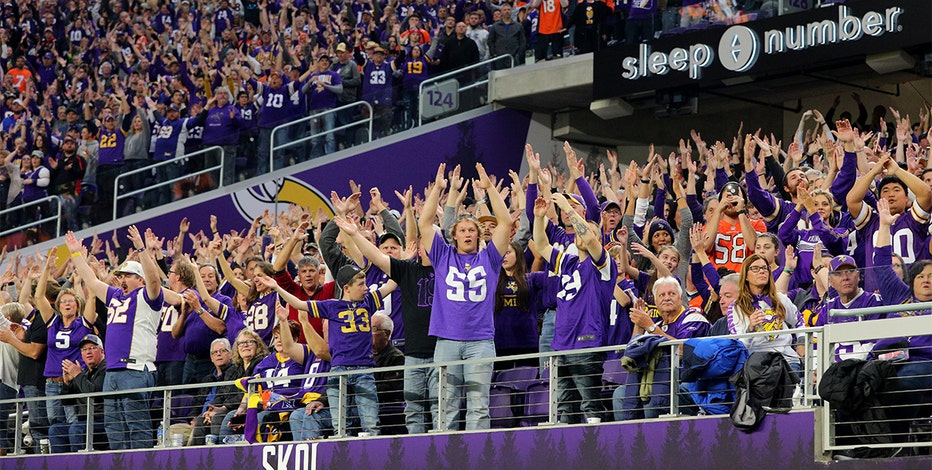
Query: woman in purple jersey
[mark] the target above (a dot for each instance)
(515, 309)
(462, 318)
(261, 300)
(65, 331)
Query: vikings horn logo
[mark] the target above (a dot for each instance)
(253, 202)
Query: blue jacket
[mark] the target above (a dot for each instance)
(707, 365)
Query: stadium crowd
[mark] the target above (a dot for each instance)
(712, 239)
(96, 89)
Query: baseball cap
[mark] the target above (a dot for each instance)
(607, 204)
(18, 101)
(49, 55)
(108, 116)
(341, 47)
(325, 56)
(38, 153)
(378, 50)
(576, 197)
(371, 45)
(389, 235)
(487, 218)
(131, 267)
(174, 107)
(841, 260)
(346, 273)
(92, 339)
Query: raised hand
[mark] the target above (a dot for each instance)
(405, 198)
(346, 225)
(533, 159)
(791, 259)
(540, 206)
(883, 212)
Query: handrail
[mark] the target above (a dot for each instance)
(273, 147)
(340, 408)
(116, 182)
(432, 80)
(860, 312)
(43, 220)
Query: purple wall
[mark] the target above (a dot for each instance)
(782, 442)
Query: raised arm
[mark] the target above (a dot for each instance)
(370, 251)
(98, 287)
(541, 242)
(289, 346)
(585, 235)
(293, 301)
(426, 222)
(149, 267)
(42, 303)
(502, 232)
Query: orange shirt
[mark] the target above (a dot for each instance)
(20, 78)
(728, 249)
(551, 17)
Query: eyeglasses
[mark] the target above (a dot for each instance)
(844, 272)
(247, 342)
(68, 301)
(758, 269)
(89, 348)
(219, 352)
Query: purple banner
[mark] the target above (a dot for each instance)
(783, 441)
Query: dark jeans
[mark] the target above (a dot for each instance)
(555, 41)
(579, 387)
(66, 437)
(6, 393)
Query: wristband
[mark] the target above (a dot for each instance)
(76, 254)
(645, 181)
(201, 312)
(140, 250)
(819, 268)
(788, 270)
(743, 211)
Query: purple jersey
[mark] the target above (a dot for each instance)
(908, 235)
(516, 327)
(168, 349)
(690, 323)
(463, 308)
(619, 328)
(261, 316)
(275, 104)
(284, 389)
(63, 343)
(132, 323)
(111, 147)
(349, 327)
(377, 83)
(321, 97)
(197, 336)
(583, 300)
(220, 128)
(391, 305)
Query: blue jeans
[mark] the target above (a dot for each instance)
(126, 416)
(225, 429)
(362, 388)
(546, 336)
(420, 391)
(265, 146)
(6, 393)
(309, 426)
(66, 437)
(56, 412)
(579, 387)
(38, 420)
(323, 123)
(476, 379)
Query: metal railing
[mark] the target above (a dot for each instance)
(273, 148)
(39, 202)
(117, 195)
(837, 432)
(476, 83)
(546, 385)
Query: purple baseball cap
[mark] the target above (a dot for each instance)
(841, 260)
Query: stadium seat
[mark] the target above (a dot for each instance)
(537, 404)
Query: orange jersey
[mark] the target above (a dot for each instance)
(551, 17)
(20, 78)
(728, 249)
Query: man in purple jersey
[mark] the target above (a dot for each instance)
(586, 284)
(222, 124)
(675, 322)
(109, 164)
(377, 79)
(909, 229)
(132, 321)
(170, 355)
(462, 316)
(275, 94)
(325, 87)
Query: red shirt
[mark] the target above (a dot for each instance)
(323, 292)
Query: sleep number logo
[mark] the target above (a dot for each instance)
(740, 47)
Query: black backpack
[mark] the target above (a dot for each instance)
(765, 384)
